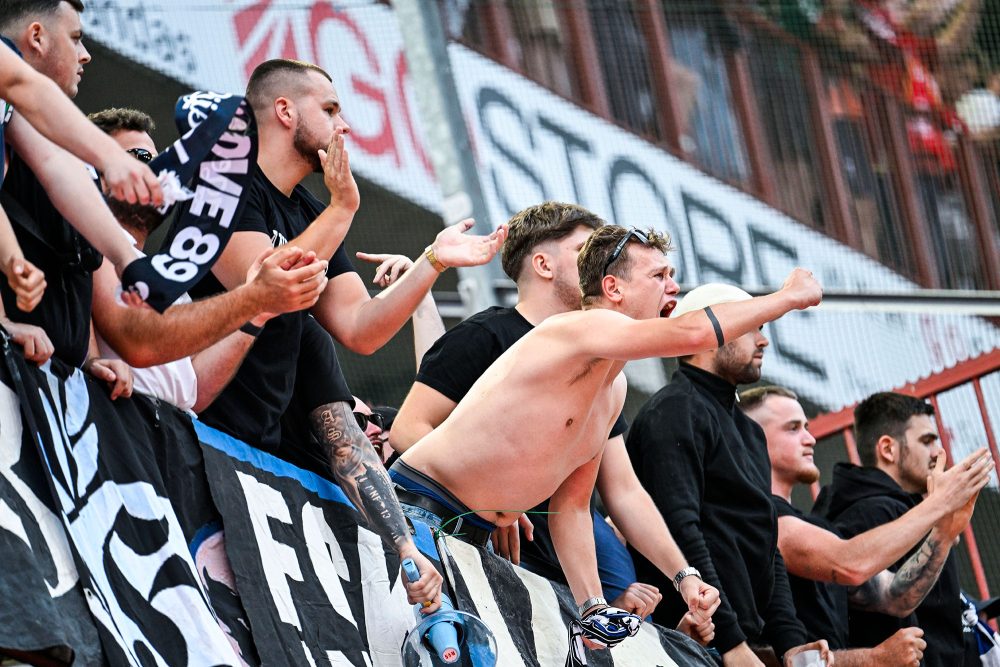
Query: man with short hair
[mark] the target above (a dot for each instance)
(534, 426)
(540, 255)
(705, 464)
(300, 132)
(899, 448)
(189, 353)
(827, 572)
(43, 183)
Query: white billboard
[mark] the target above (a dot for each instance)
(532, 145)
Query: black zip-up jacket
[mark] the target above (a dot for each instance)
(860, 499)
(705, 464)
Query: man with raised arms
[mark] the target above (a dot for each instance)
(535, 424)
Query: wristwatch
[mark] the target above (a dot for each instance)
(686, 572)
(592, 602)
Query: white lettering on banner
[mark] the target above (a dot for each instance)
(200, 105)
(91, 517)
(55, 546)
(278, 559)
(192, 248)
(327, 559)
(387, 613)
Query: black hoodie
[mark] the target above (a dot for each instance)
(706, 467)
(860, 499)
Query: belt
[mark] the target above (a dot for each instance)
(456, 524)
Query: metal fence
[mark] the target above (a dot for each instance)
(876, 124)
(966, 400)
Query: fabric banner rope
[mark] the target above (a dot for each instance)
(216, 154)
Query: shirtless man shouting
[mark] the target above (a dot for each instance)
(535, 424)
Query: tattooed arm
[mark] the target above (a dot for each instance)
(358, 470)
(901, 593)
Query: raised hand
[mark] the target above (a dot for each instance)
(285, 280)
(338, 177)
(453, 247)
(390, 266)
(955, 486)
(128, 179)
(27, 281)
(804, 289)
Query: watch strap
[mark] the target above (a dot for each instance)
(591, 603)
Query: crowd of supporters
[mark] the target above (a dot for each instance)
(696, 491)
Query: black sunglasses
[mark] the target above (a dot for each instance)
(140, 154)
(639, 236)
(374, 418)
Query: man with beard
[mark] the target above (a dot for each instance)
(899, 448)
(301, 131)
(189, 376)
(828, 572)
(43, 184)
(705, 464)
(540, 255)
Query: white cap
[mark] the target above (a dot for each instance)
(709, 294)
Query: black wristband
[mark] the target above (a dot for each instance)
(715, 325)
(251, 329)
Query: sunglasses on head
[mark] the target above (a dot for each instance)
(140, 154)
(632, 232)
(363, 420)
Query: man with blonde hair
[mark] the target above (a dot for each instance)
(535, 424)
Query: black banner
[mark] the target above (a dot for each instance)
(137, 574)
(164, 530)
(44, 608)
(216, 154)
(318, 588)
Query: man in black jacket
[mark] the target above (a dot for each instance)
(898, 445)
(828, 572)
(705, 464)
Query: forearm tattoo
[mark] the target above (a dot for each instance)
(901, 593)
(359, 471)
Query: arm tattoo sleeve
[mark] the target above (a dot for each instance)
(359, 471)
(900, 593)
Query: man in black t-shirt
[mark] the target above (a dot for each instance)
(827, 572)
(540, 256)
(301, 132)
(48, 35)
(900, 451)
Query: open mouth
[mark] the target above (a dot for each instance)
(669, 308)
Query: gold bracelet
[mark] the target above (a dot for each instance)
(432, 258)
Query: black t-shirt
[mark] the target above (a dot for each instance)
(250, 407)
(459, 357)
(454, 363)
(821, 606)
(67, 260)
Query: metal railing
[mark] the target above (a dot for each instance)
(850, 129)
(966, 400)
